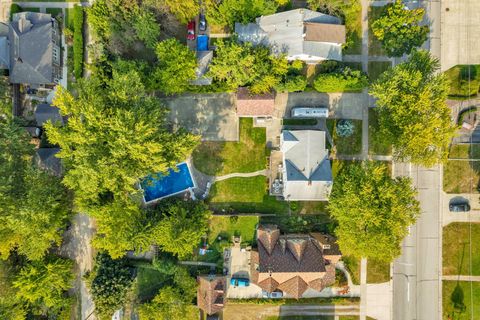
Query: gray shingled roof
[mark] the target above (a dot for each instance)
(284, 33)
(307, 169)
(31, 48)
(45, 112)
(203, 61)
(46, 160)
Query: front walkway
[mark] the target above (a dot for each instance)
(461, 278)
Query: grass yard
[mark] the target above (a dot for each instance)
(376, 144)
(461, 300)
(148, 282)
(376, 68)
(459, 81)
(374, 45)
(353, 26)
(54, 11)
(464, 151)
(226, 227)
(456, 249)
(461, 176)
(247, 155)
(350, 145)
(353, 266)
(239, 190)
(377, 271)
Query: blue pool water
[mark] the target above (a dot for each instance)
(160, 186)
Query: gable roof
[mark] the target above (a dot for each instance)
(211, 293)
(254, 104)
(289, 262)
(31, 48)
(284, 33)
(47, 161)
(307, 170)
(45, 112)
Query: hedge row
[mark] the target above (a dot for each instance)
(78, 41)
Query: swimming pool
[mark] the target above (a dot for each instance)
(158, 186)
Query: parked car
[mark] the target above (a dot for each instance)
(459, 207)
(202, 22)
(191, 30)
(239, 282)
(276, 294)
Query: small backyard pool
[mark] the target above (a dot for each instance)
(159, 186)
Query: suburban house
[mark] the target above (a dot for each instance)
(211, 293)
(254, 105)
(300, 34)
(45, 112)
(306, 173)
(33, 48)
(46, 160)
(298, 265)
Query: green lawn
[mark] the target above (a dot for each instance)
(226, 227)
(69, 18)
(461, 176)
(353, 266)
(374, 45)
(149, 281)
(353, 25)
(461, 300)
(239, 190)
(350, 145)
(376, 143)
(246, 155)
(377, 271)
(376, 68)
(464, 151)
(456, 249)
(54, 11)
(460, 86)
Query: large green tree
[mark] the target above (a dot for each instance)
(399, 29)
(10, 307)
(176, 67)
(225, 13)
(116, 134)
(373, 210)
(413, 115)
(243, 65)
(184, 10)
(34, 204)
(42, 285)
(168, 304)
(181, 227)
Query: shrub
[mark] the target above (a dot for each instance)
(341, 80)
(78, 41)
(292, 84)
(345, 128)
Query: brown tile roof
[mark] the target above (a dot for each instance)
(324, 32)
(269, 284)
(328, 244)
(290, 263)
(211, 293)
(268, 236)
(254, 105)
(295, 287)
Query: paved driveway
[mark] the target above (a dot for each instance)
(239, 267)
(460, 25)
(341, 105)
(212, 116)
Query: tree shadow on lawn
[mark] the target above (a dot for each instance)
(457, 298)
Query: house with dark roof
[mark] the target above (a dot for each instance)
(300, 34)
(46, 160)
(306, 169)
(45, 112)
(254, 105)
(33, 46)
(292, 263)
(203, 62)
(211, 293)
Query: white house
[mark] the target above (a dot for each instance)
(300, 34)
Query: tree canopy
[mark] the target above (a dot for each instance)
(116, 134)
(227, 12)
(168, 304)
(42, 285)
(184, 10)
(413, 115)
(399, 29)
(244, 65)
(340, 80)
(373, 211)
(34, 203)
(176, 67)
